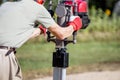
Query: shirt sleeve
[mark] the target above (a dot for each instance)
(45, 18)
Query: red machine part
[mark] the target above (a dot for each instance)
(82, 4)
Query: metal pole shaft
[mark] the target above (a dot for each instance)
(59, 73)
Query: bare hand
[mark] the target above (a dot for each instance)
(36, 33)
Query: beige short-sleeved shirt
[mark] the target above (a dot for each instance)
(17, 21)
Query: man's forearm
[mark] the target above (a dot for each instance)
(67, 31)
(61, 32)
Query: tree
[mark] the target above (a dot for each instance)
(104, 4)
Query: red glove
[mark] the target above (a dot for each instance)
(43, 30)
(76, 22)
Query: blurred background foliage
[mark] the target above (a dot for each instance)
(104, 4)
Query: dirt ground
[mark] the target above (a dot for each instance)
(101, 71)
(104, 75)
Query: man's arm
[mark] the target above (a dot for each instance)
(61, 32)
(47, 21)
(56, 30)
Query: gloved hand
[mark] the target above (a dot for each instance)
(43, 30)
(76, 22)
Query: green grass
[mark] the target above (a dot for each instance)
(36, 58)
(94, 52)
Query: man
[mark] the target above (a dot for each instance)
(17, 26)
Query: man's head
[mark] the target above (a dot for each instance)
(40, 1)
